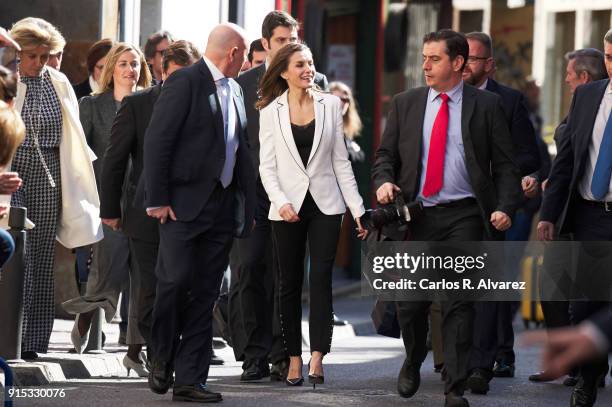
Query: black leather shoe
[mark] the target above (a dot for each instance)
(29, 355)
(443, 374)
(339, 322)
(584, 394)
(571, 381)
(255, 370)
(160, 377)
(197, 393)
(279, 370)
(503, 369)
(455, 400)
(478, 382)
(539, 377)
(408, 380)
(215, 360)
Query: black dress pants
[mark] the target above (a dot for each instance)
(193, 257)
(321, 233)
(459, 222)
(145, 255)
(253, 304)
(591, 223)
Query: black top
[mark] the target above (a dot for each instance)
(303, 137)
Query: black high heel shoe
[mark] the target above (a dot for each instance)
(315, 379)
(298, 381)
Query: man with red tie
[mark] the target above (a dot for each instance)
(448, 146)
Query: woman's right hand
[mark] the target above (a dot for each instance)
(288, 213)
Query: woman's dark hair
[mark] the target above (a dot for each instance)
(272, 84)
(98, 51)
(456, 43)
(8, 85)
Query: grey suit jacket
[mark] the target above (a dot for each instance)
(488, 148)
(97, 114)
(249, 82)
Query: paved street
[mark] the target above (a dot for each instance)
(361, 370)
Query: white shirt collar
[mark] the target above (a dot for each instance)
(216, 73)
(455, 94)
(484, 85)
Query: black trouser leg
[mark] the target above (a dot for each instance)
(145, 254)
(457, 329)
(484, 347)
(277, 352)
(412, 316)
(193, 257)
(291, 247)
(249, 320)
(323, 233)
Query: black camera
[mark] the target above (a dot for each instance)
(398, 212)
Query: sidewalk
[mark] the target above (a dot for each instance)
(58, 365)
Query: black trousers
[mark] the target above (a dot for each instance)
(461, 222)
(493, 334)
(591, 223)
(555, 284)
(192, 259)
(493, 331)
(321, 233)
(145, 255)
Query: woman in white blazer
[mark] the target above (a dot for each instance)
(305, 170)
(59, 187)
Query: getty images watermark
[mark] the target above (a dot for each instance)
(487, 271)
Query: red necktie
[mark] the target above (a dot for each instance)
(437, 147)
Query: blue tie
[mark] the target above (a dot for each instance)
(231, 142)
(603, 168)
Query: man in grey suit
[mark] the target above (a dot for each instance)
(447, 124)
(254, 326)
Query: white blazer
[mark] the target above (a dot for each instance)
(79, 222)
(328, 175)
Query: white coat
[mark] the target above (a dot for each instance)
(328, 174)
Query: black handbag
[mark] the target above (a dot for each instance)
(384, 318)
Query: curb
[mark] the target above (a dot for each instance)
(59, 367)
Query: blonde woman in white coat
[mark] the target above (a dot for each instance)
(59, 187)
(305, 170)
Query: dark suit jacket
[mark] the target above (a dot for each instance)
(521, 129)
(573, 148)
(249, 81)
(184, 149)
(82, 89)
(489, 150)
(127, 141)
(97, 113)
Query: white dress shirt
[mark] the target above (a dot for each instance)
(229, 115)
(598, 130)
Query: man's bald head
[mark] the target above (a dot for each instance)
(227, 48)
